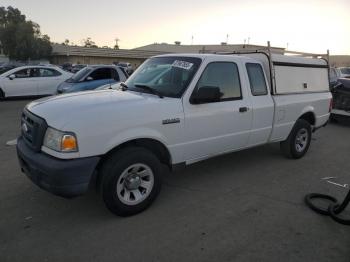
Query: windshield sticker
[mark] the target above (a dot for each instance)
(182, 64)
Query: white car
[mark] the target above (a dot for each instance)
(31, 81)
(174, 110)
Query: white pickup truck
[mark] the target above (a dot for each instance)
(174, 110)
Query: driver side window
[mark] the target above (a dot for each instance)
(225, 76)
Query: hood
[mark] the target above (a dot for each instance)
(89, 106)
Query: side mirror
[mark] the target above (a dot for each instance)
(11, 77)
(206, 94)
(89, 78)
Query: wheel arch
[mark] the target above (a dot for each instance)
(310, 117)
(151, 144)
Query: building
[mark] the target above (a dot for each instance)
(339, 60)
(89, 55)
(178, 48)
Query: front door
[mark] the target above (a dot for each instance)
(24, 83)
(218, 127)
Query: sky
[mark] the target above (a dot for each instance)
(299, 25)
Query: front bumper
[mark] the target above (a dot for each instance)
(67, 178)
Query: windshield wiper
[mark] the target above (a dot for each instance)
(150, 89)
(124, 86)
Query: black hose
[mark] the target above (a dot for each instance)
(322, 211)
(334, 209)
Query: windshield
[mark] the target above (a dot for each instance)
(169, 76)
(79, 75)
(345, 70)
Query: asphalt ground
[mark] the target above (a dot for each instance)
(244, 206)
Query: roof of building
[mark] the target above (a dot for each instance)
(66, 50)
(177, 48)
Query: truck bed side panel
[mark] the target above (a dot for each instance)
(289, 108)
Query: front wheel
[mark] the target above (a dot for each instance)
(298, 141)
(131, 181)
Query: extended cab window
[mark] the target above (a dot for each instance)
(101, 73)
(256, 79)
(223, 75)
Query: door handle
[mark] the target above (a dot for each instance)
(243, 109)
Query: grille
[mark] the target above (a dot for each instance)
(33, 129)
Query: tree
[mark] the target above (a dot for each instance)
(66, 42)
(89, 43)
(21, 39)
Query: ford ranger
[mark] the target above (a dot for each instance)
(174, 110)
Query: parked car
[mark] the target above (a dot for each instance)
(114, 86)
(91, 77)
(76, 68)
(195, 107)
(4, 68)
(127, 67)
(67, 67)
(31, 81)
(334, 75)
(341, 97)
(344, 72)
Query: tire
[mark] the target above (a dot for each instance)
(298, 141)
(131, 180)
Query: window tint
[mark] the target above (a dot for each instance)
(34, 72)
(24, 73)
(256, 79)
(48, 72)
(101, 73)
(115, 74)
(223, 75)
(28, 72)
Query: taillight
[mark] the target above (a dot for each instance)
(331, 105)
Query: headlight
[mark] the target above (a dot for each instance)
(60, 141)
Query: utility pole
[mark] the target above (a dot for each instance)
(227, 36)
(192, 40)
(116, 43)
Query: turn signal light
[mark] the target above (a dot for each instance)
(69, 143)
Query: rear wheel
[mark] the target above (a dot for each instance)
(131, 181)
(298, 141)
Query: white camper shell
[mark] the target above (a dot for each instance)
(293, 74)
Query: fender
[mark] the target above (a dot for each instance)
(132, 134)
(307, 109)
